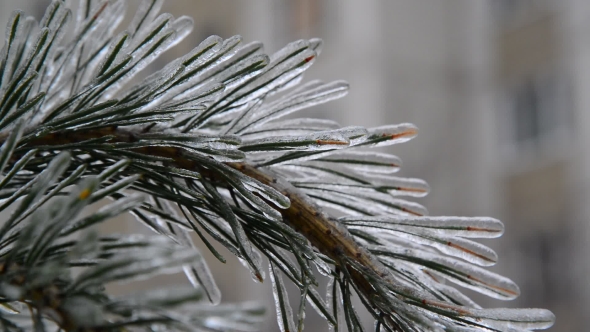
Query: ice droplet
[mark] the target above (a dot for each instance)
(256, 273)
(322, 267)
(391, 134)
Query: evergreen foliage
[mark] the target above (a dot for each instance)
(199, 147)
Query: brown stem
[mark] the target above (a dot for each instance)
(327, 235)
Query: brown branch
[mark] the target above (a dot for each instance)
(327, 235)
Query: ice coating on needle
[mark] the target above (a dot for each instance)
(292, 103)
(314, 142)
(292, 127)
(334, 301)
(374, 204)
(198, 272)
(336, 174)
(364, 161)
(470, 251)
(460, 272)
(507, 318)
(472, 227)
(283, 307)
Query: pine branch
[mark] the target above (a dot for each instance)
(306, 217)
(303, 215)
(201, 140)
(36, 261)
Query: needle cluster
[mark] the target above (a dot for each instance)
(199, 148)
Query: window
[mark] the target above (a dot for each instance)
(513, 11)
(538, 107)
(525, 109)
(506, 9)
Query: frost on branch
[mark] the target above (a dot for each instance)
(197, 147)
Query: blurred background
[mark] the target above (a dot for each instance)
(500, 90)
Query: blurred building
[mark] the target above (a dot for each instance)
(498, 90)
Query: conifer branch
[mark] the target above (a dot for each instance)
(209, 153)
(326, 234)
(306, 217)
